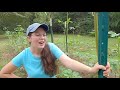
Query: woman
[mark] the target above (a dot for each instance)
(39, 59)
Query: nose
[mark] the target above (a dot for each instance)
(42, 37)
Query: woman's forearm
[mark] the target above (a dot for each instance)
(9, 76)
(74, 65)
(77, 66)
(7, 71)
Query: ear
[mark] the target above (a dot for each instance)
(29, 38)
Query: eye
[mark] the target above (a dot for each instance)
(37, 34)
(44, 35)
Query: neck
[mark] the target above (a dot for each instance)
(36, 51)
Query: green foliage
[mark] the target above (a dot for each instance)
(68, 73)
(17, 39)
(119, 47)
(115, 66)
(114, 20)
(82, 21)
(83, 50)
(9, 20)
(41, 17)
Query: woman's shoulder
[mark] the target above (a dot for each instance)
(26, 50)
(50, 44)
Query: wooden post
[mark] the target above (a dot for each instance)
(51, 29)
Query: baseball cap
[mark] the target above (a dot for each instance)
(33, 27)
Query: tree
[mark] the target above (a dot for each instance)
(115, 21)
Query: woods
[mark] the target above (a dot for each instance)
(82, 22)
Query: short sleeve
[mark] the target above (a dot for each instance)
(18, 60)
(57, 52)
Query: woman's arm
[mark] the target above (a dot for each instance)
(7, 71)
(80, 67)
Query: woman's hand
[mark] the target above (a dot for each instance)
(97, 67)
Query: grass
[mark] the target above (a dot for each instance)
(3, 50)
(81, 48)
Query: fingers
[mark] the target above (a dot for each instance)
(106, 72)
(106, 75)
(108, 65)
(102, 67)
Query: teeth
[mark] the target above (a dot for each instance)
(41, 42)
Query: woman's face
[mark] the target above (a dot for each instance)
(38, 38)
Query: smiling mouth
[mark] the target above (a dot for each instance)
(41, 43)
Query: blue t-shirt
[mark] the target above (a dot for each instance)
(33, 64)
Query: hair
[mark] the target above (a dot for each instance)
(48, 60)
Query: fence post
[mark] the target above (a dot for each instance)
(102, 40)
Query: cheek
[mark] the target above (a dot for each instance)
(33, 40)
(46, 39)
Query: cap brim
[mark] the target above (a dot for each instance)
(44, 26)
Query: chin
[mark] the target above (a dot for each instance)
(41, 47)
